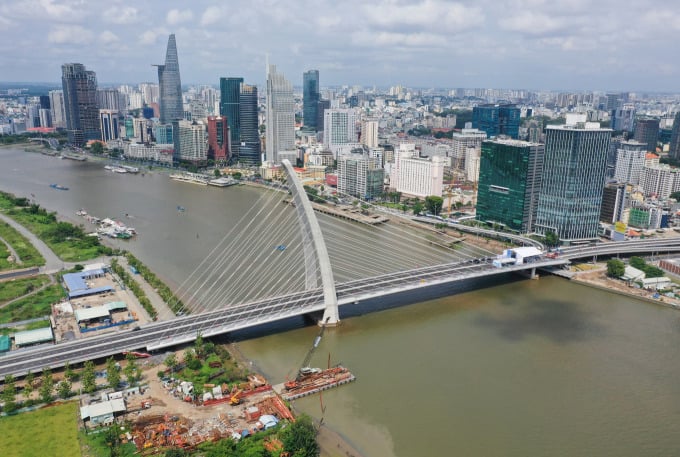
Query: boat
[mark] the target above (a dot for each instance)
(115, 169)
(58, 187)
(315, 381)
(130, 169)
(180, 209)
(281, 247)
(81, 212)
(190, 177)
(222, 182)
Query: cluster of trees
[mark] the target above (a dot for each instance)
(313, 195)
(163, 290)
(135, 288)
(616, 268)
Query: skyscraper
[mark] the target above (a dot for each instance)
(509, 183)
(674, 150)
(57, 107)
(573, 179)
(630, 160)
(339, 128)
(360, 176)
(170, 85)
(497, 119)
(647, 131)
(108, 123)
(230, 95)
(280, 115)
(249, 149)
(80, 103)
(369, 133)
(310, 100)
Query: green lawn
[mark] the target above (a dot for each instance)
(36, 305)
(29, 255)
(68, 241)
(12, 289)
(31, 326)
(47, 432)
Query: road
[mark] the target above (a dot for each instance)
(10, 248)
(53, 263)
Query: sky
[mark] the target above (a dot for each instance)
(529, 44)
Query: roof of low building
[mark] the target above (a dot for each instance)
(102, 409)
(96, 312)
(39, 335)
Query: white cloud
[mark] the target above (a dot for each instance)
(424, 15)
(212, 15)
(532, 23)
(69, 34)
(177, 17)
(108, 37)
(124, 15)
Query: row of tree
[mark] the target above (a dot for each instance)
(46, 386)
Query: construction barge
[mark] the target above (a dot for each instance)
(315, 382)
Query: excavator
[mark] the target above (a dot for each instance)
(305, 369)
(235, 398)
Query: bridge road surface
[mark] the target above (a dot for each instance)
(165, 334)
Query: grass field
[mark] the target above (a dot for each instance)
(29, 255)
(36, 305)
(48, 432)
(10, 290)
(68, 241)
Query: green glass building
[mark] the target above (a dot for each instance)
(510, 175)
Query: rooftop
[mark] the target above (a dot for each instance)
(39, 335)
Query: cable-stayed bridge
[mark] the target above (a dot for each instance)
(279, 262)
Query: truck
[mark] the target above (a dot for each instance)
(504, 262)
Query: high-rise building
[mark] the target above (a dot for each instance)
(191, 143)
(369, 133)
(111, 99)
(170, 85)
(280, 133)
(623, 118)
(45, 102)
(674, 149)
(613, 203)
(150, 92)
(660, 181)
(497, 120)
(45, 117)
(360, 176)
(461, 142)
(630, 160)
(339, 128)
(510, 174)
(573, 179)
(32, 116)
(310, 99)
(108, 123)
(80, 103)
(647, 132)
(218, 139)
(230, 96)
(57, 108)
(321, 113)
(249, 148)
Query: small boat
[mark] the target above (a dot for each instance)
(58, 187)
(180, 209)
(281, 247)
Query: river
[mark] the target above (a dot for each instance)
(543, 367)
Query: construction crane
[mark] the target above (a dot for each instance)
(305, 369)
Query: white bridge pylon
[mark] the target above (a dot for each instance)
(314, 248)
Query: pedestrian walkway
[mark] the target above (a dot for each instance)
(162, 308)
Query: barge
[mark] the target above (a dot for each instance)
(316, 382)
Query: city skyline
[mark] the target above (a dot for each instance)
(532, 44)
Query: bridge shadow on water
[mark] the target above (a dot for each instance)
(373, 305)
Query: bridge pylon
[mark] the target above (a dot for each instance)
(314, 248)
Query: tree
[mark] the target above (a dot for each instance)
(237, 175)
(88, 381)
(131, 369)
(112, 372)
(217, 175)
(171, 361)
(97, 148)
(299, 439)
(675, 195)
(199, 347)
(69, 373)
(64, 389)
(551, 238)
(29, 385)
(9, 395)
(418, 207)
(46, 386)
(638, 262)
(615, 268)
(175, 452)
(434, 204)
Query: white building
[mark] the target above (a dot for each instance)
(630, 161)
(280, 131)
(161, 153)
(660, 180)
(339, 129)
(193, 142)
(108, 124)
(416, 176)
(360, 175)
(472, 159)
(369, 133)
